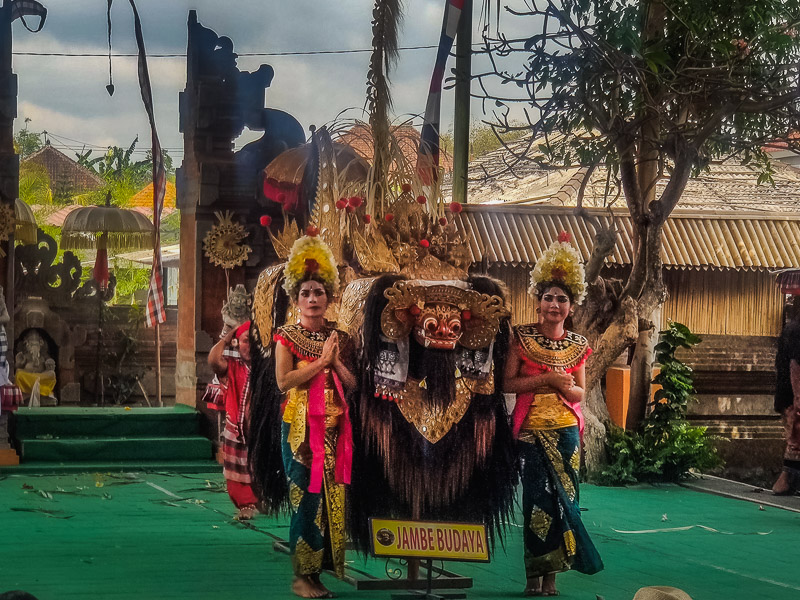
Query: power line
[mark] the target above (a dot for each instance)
(183, 55)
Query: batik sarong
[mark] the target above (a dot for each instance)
(554, 535)
(316, 531)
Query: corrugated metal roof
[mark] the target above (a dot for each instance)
(518, 236)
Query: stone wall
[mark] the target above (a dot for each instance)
(735, 383)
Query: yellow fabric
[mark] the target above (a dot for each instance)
(547, 411)
(296, 410)
(26, 380)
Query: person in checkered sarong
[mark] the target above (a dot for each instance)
(4, 318)
(237, 400)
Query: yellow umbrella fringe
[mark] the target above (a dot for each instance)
(116, 241)
(25, 232)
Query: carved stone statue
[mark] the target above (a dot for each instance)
(33, 356)
(237, 309)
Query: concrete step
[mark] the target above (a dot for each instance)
(60, 421)
(110, 449)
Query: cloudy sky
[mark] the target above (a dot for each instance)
(66, 96)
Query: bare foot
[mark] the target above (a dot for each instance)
(246, 513)
(326, 593)
(549, 585)
(533, 586)
(305, 587)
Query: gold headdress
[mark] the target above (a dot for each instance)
(561, 262)
(392, 222)
(310, 256)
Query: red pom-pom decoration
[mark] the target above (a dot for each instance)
(443, 221)
(456, 207)
(422, 199)
(341, 203)
(367, 219)
(265, 220)
(466, 315)
(355, 201)
(312, 231)
(424, 243)
(351, 209)
(564, 237)
(312, 266)
(414, 310)
(389, 217)
(406, 187)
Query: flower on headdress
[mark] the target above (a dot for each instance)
(561, 262)
(310, 256)
(312, 266)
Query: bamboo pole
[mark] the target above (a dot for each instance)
(462, 103)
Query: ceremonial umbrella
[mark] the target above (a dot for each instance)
(104, 228)
(283, 176)
(25, 230)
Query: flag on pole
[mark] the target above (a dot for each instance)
(428, 155)
(155, 296)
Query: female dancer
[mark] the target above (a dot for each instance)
(545, 369)
(315, 434)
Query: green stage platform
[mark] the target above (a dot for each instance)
(70, 439)
(171, 536)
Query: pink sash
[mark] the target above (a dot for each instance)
(316, 433)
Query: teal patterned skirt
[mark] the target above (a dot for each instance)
(316, 531)
(555, 538)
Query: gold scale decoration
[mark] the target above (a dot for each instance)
(223, 243)
(7, 222)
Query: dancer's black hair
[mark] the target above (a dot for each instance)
(263, 426)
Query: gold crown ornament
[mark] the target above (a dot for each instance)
(561, 263)
(310, 257)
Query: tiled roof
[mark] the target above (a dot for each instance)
(56, 215)
(144, 197)
(359, 137)
(517, 235)
(724, 186)
(67, 177)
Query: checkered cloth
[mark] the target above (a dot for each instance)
(3, 354)
(10, 397)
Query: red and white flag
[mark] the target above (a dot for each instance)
(156, 312)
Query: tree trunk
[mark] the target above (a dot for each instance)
(641, 374)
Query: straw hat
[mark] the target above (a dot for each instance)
(661, 592)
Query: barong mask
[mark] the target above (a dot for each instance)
(442, 316)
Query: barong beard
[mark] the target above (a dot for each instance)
(436, 368)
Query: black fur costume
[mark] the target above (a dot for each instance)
(444, 481)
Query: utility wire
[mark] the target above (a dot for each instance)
(183, 55)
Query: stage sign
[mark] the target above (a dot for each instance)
(429, 539)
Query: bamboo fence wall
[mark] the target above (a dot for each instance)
(729, 302)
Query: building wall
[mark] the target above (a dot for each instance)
(711, 302)
(730, 302)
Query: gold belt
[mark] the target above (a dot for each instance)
(547, 411)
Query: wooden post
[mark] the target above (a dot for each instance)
(461, 119)
(9, 162)
(158, 363)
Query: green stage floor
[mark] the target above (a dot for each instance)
(170, 536)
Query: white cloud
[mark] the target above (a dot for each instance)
(66, 95)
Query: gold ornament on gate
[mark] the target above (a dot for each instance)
(223, 244)
(7, 223)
